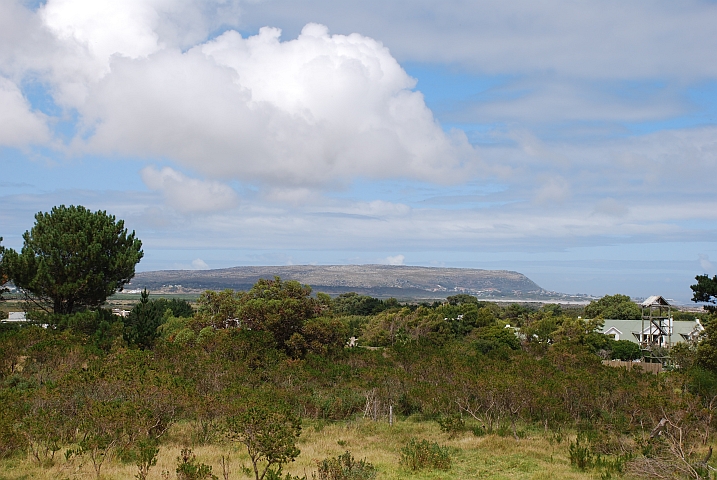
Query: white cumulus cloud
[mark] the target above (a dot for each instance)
(19, 125)
(306, 112)
(189, 195)
(316, 111)
(105, 28)
(136, 28)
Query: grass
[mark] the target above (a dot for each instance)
(489, 457)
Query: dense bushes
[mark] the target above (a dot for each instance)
(419, 455)
(584, 457)
(345, 467)
(354, 304)
(188, 468)
(452, 424)
(614, 307)
(142, 323)
(624, 350)
(82, 386)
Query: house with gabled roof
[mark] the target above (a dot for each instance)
(655, 328)
(641, 333)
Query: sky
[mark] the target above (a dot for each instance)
(572, 141)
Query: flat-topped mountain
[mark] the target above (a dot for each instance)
(375, 280)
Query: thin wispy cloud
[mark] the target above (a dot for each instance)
(189, 195)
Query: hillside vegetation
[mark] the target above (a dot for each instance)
(98, 396)
(375, 280)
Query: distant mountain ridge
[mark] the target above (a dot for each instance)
(375, 280)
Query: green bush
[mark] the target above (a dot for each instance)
(452, 425)
(145, 457)
(583, 456)
(425, 455)
(275, 474)
(624, 350)
(11, 441)
(189, 469)
(345, 467)
(494, 338)
(616, 307)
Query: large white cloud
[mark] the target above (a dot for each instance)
(315, 111)
(67, 45)
(72, 42)
(309, 111)
(105, 28)
(136, 28)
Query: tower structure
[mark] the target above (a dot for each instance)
(656, 324)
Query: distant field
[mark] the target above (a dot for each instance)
(128, 300)
(119, 300)
(536, 456)
(134, 297)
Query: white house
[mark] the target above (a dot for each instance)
(679, 331)
(16, 317)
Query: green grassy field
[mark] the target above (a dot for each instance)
(490, 456)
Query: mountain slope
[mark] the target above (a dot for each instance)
(375, 280)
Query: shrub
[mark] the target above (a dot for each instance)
(580, 454)
(452, 425)
(584, 457)
(275, 474)
(625, 350)
(345, 467)
(424, 454)
(11, 441)
(269, 433)
(189, 469)
(145, 457)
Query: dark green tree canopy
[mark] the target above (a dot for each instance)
(705, 290)
(73, 259)
(147, 315)
(277, 306)
(352, 303)
(616, 307)
(461, 298)
(624, 350)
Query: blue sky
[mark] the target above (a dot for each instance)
(574, 142)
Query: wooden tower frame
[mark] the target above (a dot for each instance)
(657, 316)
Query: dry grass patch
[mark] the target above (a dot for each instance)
(490, 457)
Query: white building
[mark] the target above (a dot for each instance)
(16, 317)
(638, 332)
